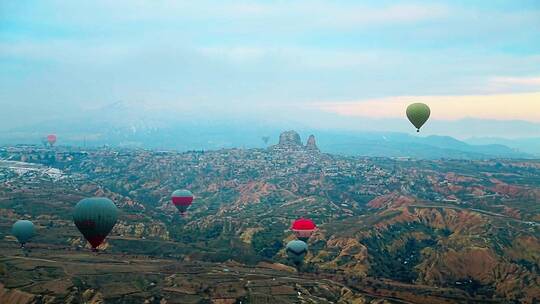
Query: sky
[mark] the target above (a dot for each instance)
(276, 60)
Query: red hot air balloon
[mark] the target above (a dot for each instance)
(182, 199)
(303, 228)
(51, 139)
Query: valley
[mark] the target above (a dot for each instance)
(390, 230)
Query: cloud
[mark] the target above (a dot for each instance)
(502, 107)
(242, 54)
(507, 84)
(207, 20)
(235, 54)
(303, 56)
(532, 81)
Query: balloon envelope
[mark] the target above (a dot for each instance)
(296, 251)
(182, 199)
(303, 228)
(51, 138)
(418, 114)
(95, 218)
(23, 230)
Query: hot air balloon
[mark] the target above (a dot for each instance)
(51, 139)
(296, 251)
(418, 114)
(303, 228)
(95, 217)
(182, 199)
(265, 139)
(23, 230)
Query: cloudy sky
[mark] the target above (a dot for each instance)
(467, 59)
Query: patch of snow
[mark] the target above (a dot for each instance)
(22, 168)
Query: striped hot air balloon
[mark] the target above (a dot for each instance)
(303, 228)
(182, 199)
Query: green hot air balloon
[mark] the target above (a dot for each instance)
(23, 230)
(95, 217)
(296, 251)
(418, 114)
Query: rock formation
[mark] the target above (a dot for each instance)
(290, 139)
(311, 145)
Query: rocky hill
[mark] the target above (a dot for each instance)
(290, 141)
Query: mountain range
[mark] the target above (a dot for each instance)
(120, 125)
(529, 145)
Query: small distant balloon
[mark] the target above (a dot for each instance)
(418, 114)
(265, 139)
(23, 230)
(51, 139)
(95, 218)
(182, 199)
